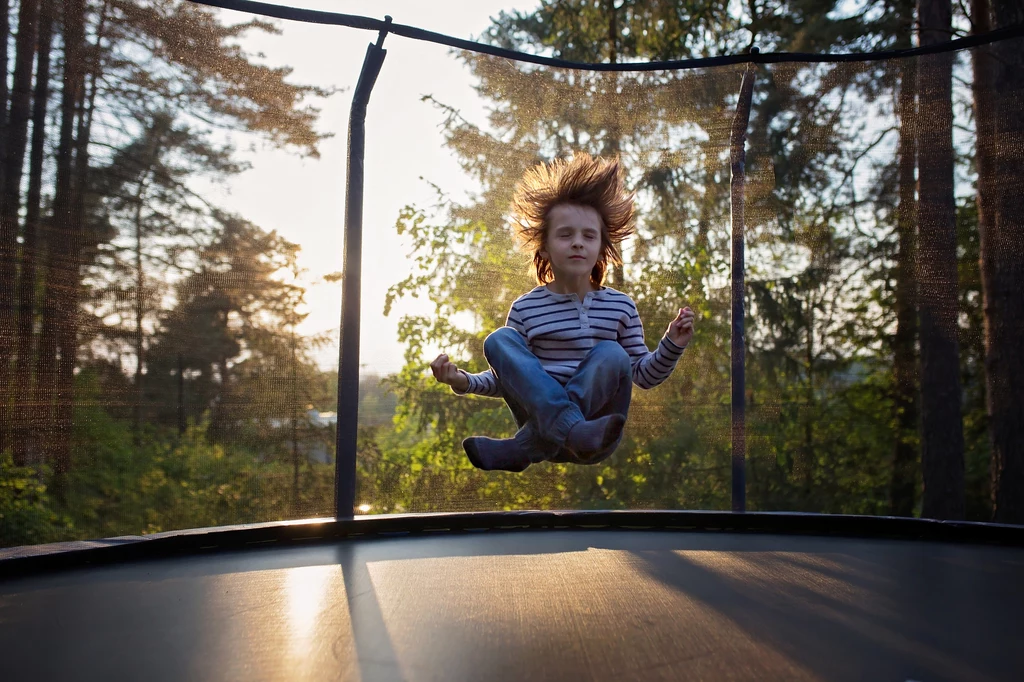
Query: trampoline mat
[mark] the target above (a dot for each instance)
(538, 605)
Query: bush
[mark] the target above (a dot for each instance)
(27, 515)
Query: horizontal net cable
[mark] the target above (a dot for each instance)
(384, 26)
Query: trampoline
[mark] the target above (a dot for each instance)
(482, 590)
(597, 596)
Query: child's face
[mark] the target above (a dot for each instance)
(573, 240)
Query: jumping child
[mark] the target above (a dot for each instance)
(571, 349)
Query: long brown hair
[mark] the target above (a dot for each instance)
(582, 181)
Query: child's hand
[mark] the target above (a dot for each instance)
(680, 330)
(446, 372)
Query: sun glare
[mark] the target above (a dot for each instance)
(306, 594)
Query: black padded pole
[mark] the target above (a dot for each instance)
(348, 358)
(738, 157)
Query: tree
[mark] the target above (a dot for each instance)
(5, 34)
(143, 198)
(59, 332)
(232, 333)
(26, 423)
(126, 61)
(16, 134)
(942, 437)
(905, 469)
(999, 85)
(230, 343)
(120, 132)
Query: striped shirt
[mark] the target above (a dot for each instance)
(560, 330)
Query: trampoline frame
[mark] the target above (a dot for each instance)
(72, 555)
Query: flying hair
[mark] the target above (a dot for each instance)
(582, 181)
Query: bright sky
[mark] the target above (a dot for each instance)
(304, 199)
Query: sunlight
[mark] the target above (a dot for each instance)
(305, 591)
(303, 199)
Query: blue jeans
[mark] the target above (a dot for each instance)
(544, 410)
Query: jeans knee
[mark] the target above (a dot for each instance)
(496, 338)
(613, 356)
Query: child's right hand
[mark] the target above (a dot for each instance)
(446, 372)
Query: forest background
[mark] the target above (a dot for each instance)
(155, 370)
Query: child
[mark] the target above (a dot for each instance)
(571, 349)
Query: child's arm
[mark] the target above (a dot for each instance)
(680, 330)
(446, 372)
(462, 382)
(652, 368)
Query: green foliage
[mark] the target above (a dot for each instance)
(27, 516)
(124, 484)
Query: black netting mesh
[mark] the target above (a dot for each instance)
(170, 318)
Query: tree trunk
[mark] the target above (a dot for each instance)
(982, 90)
(5, 33)
(182, 419)
(20, 111)
(942, 441)
(140, 282)
(9, 218)
(13, 162)
(808, 464)
(1003, 259)
(903, 487)
(295, 428)
(67, 338)
(60, 325)
(26, 421)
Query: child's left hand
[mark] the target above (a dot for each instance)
(680, 330)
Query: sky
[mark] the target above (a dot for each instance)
(304, 199)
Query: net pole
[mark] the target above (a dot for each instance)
(348, 351)
(738, 157)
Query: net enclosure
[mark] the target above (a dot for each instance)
(177, 246)
(204, 475)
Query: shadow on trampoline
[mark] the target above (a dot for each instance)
(826, 626)
(375, 652)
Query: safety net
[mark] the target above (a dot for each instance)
(181, 224)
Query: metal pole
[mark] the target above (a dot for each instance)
(348, 358)
(738, 158)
